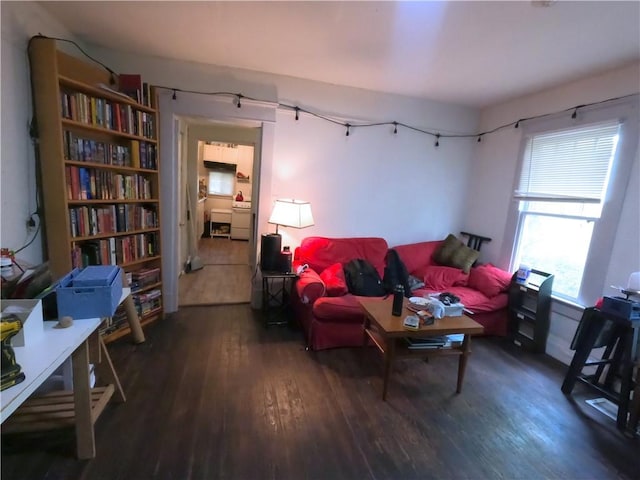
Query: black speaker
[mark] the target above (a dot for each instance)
(270, 252)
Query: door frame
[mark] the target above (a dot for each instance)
(255, 114)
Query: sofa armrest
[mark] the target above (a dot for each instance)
(309, 286)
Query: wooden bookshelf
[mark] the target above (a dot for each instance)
(100, 167)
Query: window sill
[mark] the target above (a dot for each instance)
(567, 308)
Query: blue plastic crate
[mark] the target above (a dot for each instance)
(90, 293)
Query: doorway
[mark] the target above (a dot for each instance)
(221, 219)
(257, 115)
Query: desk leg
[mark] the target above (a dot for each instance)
(462, 361)
(389, 353)
(107, 373)
(85, 440)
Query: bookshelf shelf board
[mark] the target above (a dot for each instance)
(151, 314)
(87, 127)
(147, 288)
(140, 261)
(119, 200)
(114, 234)
(107, 166)
(102, 92)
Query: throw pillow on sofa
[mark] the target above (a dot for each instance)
(334, 281)
(440, 277)
(489, 280)
(453, 253)
(443, 253)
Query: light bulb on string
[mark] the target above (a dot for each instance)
(437, 144)
(395, 128)
(517, 124)
(348, 126)
(239, 98)
(297, 113)
(574, 114)
(173, 97)
(479, 138)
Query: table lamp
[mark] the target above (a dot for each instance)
(287, 213)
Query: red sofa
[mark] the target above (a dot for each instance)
(482, 291)
(332, 317)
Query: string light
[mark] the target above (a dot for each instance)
(348, 126)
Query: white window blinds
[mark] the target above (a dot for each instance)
(568, 165)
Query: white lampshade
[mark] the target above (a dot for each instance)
(634, 282)
(291, 213)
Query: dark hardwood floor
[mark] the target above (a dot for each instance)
(213, 394)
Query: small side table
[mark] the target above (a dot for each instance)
(276, 287)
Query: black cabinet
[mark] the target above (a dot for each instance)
(530, 310)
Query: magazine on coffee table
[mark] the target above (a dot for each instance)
(440, 341)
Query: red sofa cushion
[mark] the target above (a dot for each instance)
(334, 281)
(344, 309)
(417, 256)
(309, 286)
(438, 277)
(489, 279)
(322, 252)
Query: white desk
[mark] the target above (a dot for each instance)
(83, 405)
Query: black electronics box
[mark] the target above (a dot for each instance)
(621, 307)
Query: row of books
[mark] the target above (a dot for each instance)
(86, 220)
(118, 320)
(148, 302)
(100, 112)
(142, 278)
(115, 250)
(137, 154)
(95, 184)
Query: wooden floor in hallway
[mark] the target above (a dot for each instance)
(225, 277)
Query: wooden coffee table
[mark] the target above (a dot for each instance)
(388, 335)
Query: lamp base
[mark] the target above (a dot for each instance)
(270, 245)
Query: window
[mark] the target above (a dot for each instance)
(221, 183)
(222, 177)
(567, 199)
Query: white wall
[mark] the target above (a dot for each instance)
(494, 167)
(372, 183)
(17, 158)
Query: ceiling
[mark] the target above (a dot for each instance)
(469, 53)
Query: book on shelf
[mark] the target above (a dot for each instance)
(131, 85)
